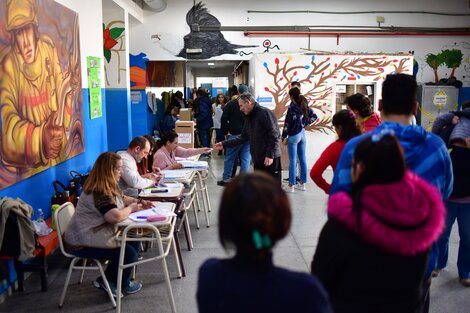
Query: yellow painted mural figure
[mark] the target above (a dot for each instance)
(36, 96)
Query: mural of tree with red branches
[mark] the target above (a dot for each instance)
(318, 77)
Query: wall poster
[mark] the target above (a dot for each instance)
(40, 88)
(94, 86)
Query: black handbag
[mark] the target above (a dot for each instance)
(60, 196)
(78, 178)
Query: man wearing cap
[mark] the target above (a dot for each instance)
(32, 86)
(261, 131)
(231, 123)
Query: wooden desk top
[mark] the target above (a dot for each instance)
(175, 191)
(165, 205)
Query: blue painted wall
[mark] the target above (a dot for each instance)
(37, 190)
(123, 126)
(142, 118)
(118, 119)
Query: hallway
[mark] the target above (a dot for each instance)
(294, 252)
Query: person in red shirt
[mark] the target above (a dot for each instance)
(362, 107)
(346, 127)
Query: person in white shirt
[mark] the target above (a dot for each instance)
(131, 180)
(217, 108)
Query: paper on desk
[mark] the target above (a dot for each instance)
(194, 164)
(174, 174)
(141, 216)
(191, 158)
(172, 185)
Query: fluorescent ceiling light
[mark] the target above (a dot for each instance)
(194, 50)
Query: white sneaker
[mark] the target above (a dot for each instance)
(289, 189)
(300, 186)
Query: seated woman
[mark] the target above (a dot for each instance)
(372, 253)
(254, 214)
(362, 107)
(90, 233)
(169, 119)
(168, 150)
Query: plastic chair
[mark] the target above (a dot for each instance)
(191, 202)
(62, 216)
(148, 233)
(202, 182)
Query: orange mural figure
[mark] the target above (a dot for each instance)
(36, 97)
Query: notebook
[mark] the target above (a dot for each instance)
(141, 216)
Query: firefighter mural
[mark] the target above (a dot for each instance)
(40, 88)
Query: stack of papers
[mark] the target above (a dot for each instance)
(141, 216)
(175, 174)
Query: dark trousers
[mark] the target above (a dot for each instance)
(274, 169)
(132, 254)
(205, 136)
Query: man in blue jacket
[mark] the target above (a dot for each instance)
(425, 153)
(203, 116)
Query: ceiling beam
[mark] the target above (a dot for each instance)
(131, 8)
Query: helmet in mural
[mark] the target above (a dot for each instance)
(20, 13)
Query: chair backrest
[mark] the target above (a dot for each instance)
(62, 217)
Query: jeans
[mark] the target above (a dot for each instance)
(296, 146)
(461, 212)
(232, 155)
(204, 134)
(132, 255)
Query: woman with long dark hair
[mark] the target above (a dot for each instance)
(298, 116)
(217, 108)
(168, 150)
(372, 252)
(169, 118)
(346, 127)
(362, 107)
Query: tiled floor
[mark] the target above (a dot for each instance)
(294, 252)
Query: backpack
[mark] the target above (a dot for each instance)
(447, 130)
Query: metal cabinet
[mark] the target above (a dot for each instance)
(434, 101)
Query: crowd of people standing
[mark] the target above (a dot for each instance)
(395, 195)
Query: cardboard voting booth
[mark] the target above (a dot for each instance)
(186, 114)
(185, 131)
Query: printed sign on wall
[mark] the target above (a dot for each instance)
(94, 86)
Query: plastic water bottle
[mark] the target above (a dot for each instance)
(40, 216)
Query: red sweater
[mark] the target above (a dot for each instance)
(371, 122)
(329, 157)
